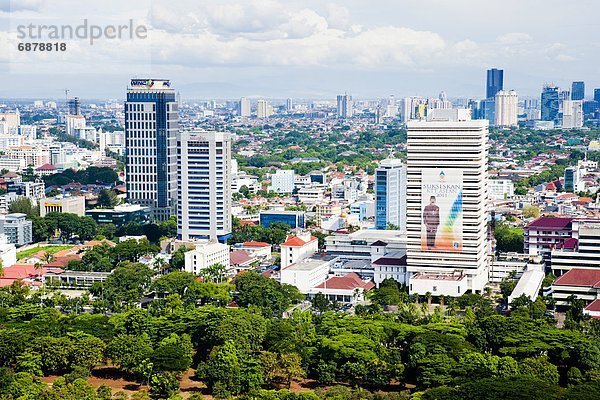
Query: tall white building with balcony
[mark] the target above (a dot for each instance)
(204, 185)
(447, 204)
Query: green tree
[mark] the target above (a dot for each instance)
(107, 198)
(129, 351)
(163, 385)
(173, 353)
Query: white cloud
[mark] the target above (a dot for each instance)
(514, 38)
(20, 5)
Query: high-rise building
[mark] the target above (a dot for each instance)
(344, 106)
(263, 109)
(74, 106)
(506, 108)
(550, 104)
(244, 109)
(289, 104)
(578, 90)
(390, 194)
(204, 185)
(572, 114)
(151, 126)
(495, 82)
(447, 204)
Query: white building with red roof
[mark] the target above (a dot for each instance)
(260, 250)
(298, 247)
(349, 288)
(46, 170)
(584, 284)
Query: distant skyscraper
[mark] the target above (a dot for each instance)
(151, 126)
(550, 104)
(506, 108)
(447, 204)
(244, 109)
(495, 82)
(344, 106)
(597, 95)
(263, 109)
(204, 185)
(578, 90)
(572, 114)
(289, 104)
(74, 106)
(390, 193)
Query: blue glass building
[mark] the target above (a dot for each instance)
(151, 126)
(295, 219)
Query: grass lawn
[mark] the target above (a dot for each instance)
(52, 249)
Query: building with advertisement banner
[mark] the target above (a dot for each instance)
(442, 209)
(447, 248)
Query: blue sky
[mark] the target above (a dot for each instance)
(309, 49)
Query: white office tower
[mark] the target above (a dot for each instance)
(244, 109)
(572, 114)
(345, 106)
(392, 107)
(282, 181)
(263, 109)
(406, 109)
(390, 194)
(447, 204)
(204, 185)
(507, 108)
(151, 126)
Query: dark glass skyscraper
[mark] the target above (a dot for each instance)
(151, 126)
(495, 82)
(597, 95)
(549, 103)
(578, 90)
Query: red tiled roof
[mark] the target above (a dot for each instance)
(238, 257)
(46, 167)
(593, 306)
(349, 281)
(248, 223)
(256, 244)
(570, 243)
(580, 277)
(550, 223)
(295, 241)
(22, 271)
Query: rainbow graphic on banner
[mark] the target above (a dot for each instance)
(448, 227)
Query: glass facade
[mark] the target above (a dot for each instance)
(495, 82)
(550, 103)
(578, 90)
(381, 200)
(294, 220)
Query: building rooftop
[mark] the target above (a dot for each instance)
(439, 277)
(238, 257)
(391, 261)
(550, 223)
(256, 244)
(579, 277)
(593, 306)
(349, 281)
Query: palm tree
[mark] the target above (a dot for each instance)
(428, 296)
(47, 257)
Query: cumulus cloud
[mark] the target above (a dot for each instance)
(514, 38)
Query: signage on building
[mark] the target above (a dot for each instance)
(441, 209)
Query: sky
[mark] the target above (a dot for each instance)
(305, 48)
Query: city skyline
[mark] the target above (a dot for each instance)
(307, 49)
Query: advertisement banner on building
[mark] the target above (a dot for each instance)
(441, 209)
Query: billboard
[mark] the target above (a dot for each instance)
(441, 209)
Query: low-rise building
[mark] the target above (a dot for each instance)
(295, 219)
(206, 254)
(63, 204)
(17, 228)
(120, 215)
(260, 250)
(298, 247)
